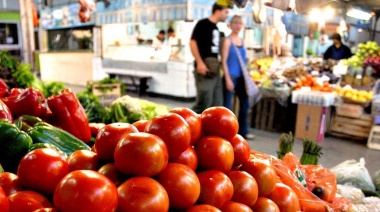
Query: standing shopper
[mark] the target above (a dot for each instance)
(204, 45)
(232, 49)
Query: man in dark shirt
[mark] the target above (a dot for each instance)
(338, 50)
(204, 44)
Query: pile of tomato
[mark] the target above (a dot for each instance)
(181, 161)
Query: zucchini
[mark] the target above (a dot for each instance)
(45, 133)
(369, 193)
(46, 145)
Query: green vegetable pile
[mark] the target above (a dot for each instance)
(311, 153)
(286, 143)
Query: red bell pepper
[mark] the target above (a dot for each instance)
(16, 92)
(29, 102)
(3, 88)
(70, 114)
(5, 113)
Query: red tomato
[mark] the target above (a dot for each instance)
(111, 172)
(264, 175)
(219, 121)
(10, 183)
(140, 125)
(194, 121)
(235, 207)
(109, 136)
(203, 208)
(245, 188)
(4, 202)
(216, 188)
(27, 201)
(173, 130)
(142, 194)
(182, 185)
(83, 160)
(42, 169)
(215, 153)
(141, 154)
(241, 149)
(265, 205)
(285, 198)
(188, 157)
(85, 190)
(46, 210)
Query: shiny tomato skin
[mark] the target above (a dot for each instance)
(173, 130)
(10, 183)
(285, 198)
(182, 185)
(46, 210)
(194, 121)
(85, 190)
(241, 149)
(83, 160)
(214, 153)
(111, 172)
(140, 125)
(216, 188)
(4, 202)
(109, 136)
(142, 194)
(188, 157)
(27, 201)
(245, 188)
(219, 121)
(203, 208)
(141, 154)
(235, 207)
(264, 204)
(42, 169)
(264, 175)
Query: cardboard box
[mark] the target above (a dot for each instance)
(350, 110)
(311, 122)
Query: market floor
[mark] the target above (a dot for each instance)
(335, 150)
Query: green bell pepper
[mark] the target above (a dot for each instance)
(14, 144)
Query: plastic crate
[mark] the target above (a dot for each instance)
(314, 98)
(374, 138)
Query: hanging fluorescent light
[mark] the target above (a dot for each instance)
(358, 14)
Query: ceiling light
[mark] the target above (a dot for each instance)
(315, 14)
(358, 14)
(329, 12)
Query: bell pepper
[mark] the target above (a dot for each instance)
(5, 113)
(29, 102)
(3, 88)
(14, 144)
(70, 114)
(16, 92)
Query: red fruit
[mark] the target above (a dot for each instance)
(181, 183)
(142, 194)
(245, 188)
(42, 169)
(141, 154)
(215, 153)
(194, 121)
(241, 149)
(188, 157)
(219, 121)
(83, 160)
(216, 188)
(173, 130)
(27, 201)
(109, 136)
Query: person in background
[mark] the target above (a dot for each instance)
(158, 40)
(173, 42)
(338, 50)
(233, 76)
(323, 45)
(204, 45)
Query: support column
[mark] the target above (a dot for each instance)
(27, 31)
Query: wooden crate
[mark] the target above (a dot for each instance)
(107, 93)
(352, 127)
(265, 112)
(374, 138)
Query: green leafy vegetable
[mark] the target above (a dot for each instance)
(54, 87)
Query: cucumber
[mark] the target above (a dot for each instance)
(46, 145)
(45, 133)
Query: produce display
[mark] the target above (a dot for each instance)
(313, 84)
(364, 50)
(354, 95)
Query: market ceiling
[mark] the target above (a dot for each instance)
(368, 5)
